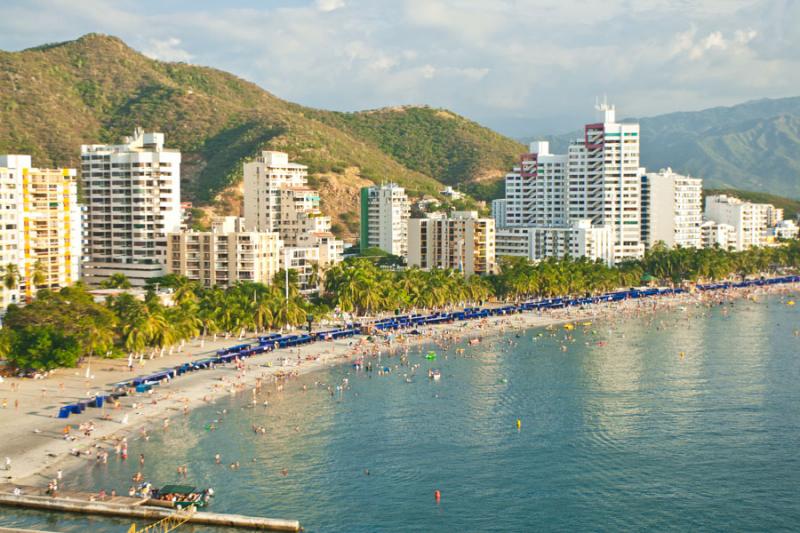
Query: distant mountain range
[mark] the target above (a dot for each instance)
(55, 97)
(752, 146)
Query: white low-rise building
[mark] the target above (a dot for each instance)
(225, 255)
(714, 235)
(751, 222)
(535, 243)
(785, 229)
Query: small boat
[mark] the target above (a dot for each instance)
(434, 374)
(180, 496)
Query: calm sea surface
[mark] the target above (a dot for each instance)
(619, 433)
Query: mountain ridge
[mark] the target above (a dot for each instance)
(96, 89)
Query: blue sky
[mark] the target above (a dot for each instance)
(520, 66)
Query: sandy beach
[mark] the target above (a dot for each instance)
(34, 439)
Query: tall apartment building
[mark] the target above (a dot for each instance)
(579, 239)
(604, 181)
(751, 222)
(264, 179)
(277, 198)
(536, 190)
(672, 209)
(133, 200)
(500, 212)
(461, 241)
(225, 255)
(10, 224)
(41, 231)
(385, 211)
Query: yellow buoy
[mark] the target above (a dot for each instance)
(790, 302)
(519, 423)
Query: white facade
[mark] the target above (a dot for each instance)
(41, 226)
(264, 178)
(500, 212)
(462, 241)
(579, 239)
(133, 200)
(599, 180)
(604, 182)
(10, 212)
(385, 211)
(785, 229)
(536, 190)
(225, 255)
(751, 222)
(672, 209)
(717, 235)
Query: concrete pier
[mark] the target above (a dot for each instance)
(134, 509)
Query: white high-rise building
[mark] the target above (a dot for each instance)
(133, 200)
(598, 180)
(579, 239)
(672, 209)
(461, 241)
(536, 190)
(604, 181)
(384, 218)
(41, 227)
(751, 222)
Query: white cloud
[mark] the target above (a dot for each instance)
(167, 50)
(329, 5)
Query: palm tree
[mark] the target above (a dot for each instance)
(39, 274)
(11, 276)
(116, 281)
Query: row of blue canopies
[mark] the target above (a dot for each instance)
(273, 341)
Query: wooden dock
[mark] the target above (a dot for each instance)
(126, 507)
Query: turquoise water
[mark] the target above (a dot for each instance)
(618, 433)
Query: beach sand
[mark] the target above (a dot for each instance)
(33, 438)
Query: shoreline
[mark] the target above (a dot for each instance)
(41, 448)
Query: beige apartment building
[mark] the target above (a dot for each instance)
(462, 241)
(225, 255)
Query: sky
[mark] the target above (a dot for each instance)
(523, 67)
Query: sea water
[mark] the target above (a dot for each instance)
(686, 420)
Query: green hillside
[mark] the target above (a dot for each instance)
(434, 142)
(53, 98)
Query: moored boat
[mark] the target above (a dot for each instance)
(180, 496)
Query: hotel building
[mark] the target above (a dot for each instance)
(133, 200)
(751, 222)
(579, 239)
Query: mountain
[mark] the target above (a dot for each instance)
(753, 146)
(96, 89)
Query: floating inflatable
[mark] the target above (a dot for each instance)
(430, 355)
